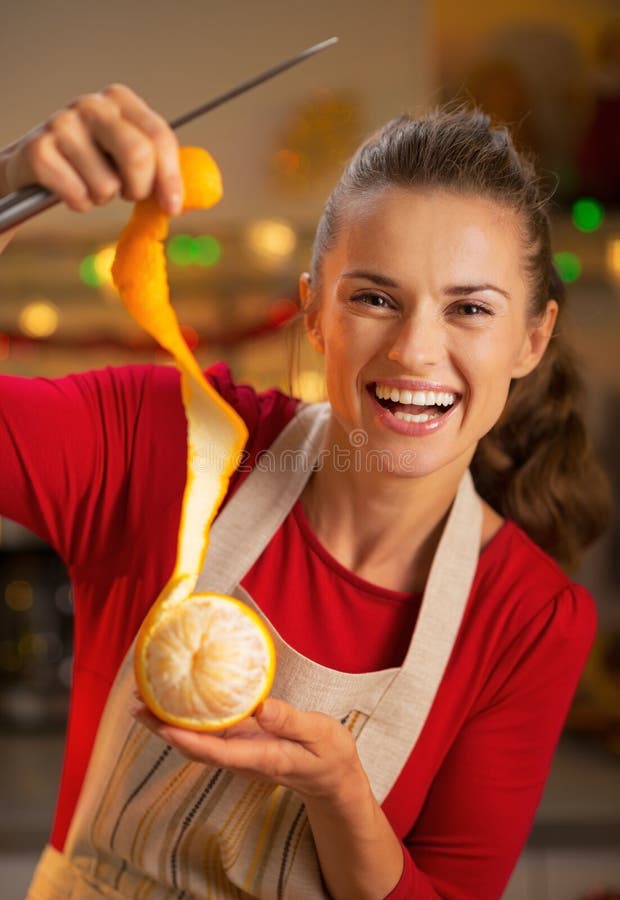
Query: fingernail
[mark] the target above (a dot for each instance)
(266, 711)
(175, 204)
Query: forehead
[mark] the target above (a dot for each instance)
(424, 231)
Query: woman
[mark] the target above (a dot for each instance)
(433, 298)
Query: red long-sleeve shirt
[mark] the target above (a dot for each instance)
(95, 464)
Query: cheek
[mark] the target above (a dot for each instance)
(339, 365)
(487, 366)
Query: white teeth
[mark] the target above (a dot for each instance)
(415, 417)
(417, 398)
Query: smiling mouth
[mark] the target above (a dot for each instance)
(413, 406)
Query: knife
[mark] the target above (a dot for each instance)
(27, 202)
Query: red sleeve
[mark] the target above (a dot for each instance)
(57, 477)
(481, 804)
(68, 448)
(413, 884)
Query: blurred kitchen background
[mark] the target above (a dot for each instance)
(552, 70)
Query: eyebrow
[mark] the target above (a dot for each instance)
(381, 280)
(460, 289)
(453, 290)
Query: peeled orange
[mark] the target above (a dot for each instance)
(201, 661)
(205, 663)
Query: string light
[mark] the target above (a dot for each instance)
(19, 596)
(88, 271)
(588, 214)
(613, 258)
(208, 250)
(96, 268)
(180, 249)
(103, 264)
(39, 319)
(309, 386)
(272, 241)
(568, 265)
(185, 250)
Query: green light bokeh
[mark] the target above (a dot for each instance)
(588, 214)
(181, 249)
(208, 250)
(88, 271)
(568, 265)
(184, 250)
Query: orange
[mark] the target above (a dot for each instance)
(204, 664)
(201, 661)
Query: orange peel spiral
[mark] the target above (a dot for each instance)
(202, 661)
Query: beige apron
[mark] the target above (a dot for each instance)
(151, 824)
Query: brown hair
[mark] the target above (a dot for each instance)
(536, 465)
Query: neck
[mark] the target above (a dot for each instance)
(383, 526)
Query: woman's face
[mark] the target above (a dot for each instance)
(423, 321)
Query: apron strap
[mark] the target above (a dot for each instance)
(411, 693)
(254, 513)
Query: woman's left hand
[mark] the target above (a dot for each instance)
(309, 752)
(360, 856)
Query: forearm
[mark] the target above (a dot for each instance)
(360, 856)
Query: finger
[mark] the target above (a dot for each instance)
(110, 131)
(264, 757)
(75, 144)
(284, 720)
(40, 162)
(134, 156)
(168, 183)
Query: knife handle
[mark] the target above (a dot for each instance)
(21, 205)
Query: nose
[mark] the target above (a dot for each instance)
(419, 342)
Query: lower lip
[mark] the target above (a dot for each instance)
(410, 428)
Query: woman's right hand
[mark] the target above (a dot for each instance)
(100, 146)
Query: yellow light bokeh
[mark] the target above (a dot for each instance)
(19, 596)
(103, 264)
(39, 319)
(271, 240)
(309, 386)
(613, 258)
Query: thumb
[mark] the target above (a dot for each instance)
(280, 718)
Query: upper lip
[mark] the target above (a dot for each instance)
(405, 384)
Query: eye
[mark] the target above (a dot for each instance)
(471, 309)
(370, 298)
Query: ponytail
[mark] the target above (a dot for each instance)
(537, 467)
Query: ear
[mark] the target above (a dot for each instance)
(311, 310)
(536, 340)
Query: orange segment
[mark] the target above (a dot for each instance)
(202, 661)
